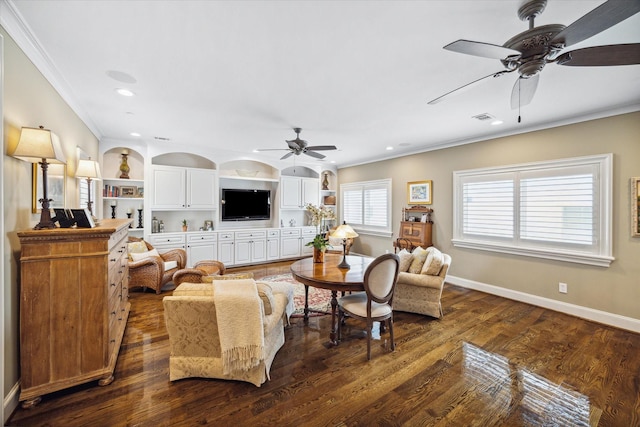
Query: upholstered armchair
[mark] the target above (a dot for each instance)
(208, 340)
(420, 285)
(150, 269)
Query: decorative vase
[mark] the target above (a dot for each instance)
(318, 255)
(325, 181)
(124, 166)
(184, 228)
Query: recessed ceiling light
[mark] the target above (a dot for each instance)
(389, 148)
(124, 92)
(496, 122)
(332, 161)
(134, 134)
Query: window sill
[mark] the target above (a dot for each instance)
(566, 256)
(375, 233)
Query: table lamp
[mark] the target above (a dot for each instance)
(89, 169)
(344, 232)
(40, 146)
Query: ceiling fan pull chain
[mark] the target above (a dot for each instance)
(519, 80)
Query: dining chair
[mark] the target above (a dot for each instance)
(376, 302)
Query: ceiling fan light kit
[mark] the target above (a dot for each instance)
(530, 51)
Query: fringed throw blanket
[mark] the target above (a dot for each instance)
(240, 327)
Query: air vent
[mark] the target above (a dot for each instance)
(483, 117)
(161, 138)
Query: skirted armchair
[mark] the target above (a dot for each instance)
(228, 329)
(421, 280)
(150, 269)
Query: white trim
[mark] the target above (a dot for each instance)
(599, 316)
(11, 401)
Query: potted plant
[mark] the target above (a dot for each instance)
(184, 225)
(319, 242)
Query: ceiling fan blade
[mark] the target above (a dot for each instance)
(467, 86)
(485, 50)
(616, 54)
(523, 91)
(286, 156)
(322, 147)
(271, 149)
(314, 154)
(599, 19)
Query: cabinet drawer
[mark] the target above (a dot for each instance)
(116, 237)
(251, 234)
(290, 232)
(166, 239)
(309, 231)
(273, 233)
(227, 235)
(199, 238)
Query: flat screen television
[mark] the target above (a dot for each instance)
(245, 205)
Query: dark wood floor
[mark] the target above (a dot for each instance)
(488, 362)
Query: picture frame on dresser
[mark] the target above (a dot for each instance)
(419, 192)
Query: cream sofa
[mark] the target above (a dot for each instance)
(420, 291)
(195, 335)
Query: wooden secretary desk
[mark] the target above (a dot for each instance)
(414, 233)
(74, 305)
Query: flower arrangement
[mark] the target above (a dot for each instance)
(317, 215)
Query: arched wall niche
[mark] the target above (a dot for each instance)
(248, 169)
(186, 160)
(112, 159)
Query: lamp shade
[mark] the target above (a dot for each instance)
(36, 144)
(344, 231)
(88, 169)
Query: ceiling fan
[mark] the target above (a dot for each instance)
(299, 146)
(529, 51)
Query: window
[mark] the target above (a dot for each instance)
(557, 209)
(366, 206)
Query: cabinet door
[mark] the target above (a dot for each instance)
(168, 190)
(291, 195)
(243, 251)
(225, 253)
(201, 252)
(201, 189)
(259, 250)
(310, 191)
(289, 247)
(273, 248)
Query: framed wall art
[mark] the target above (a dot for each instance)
(419, 192)
(56, 186)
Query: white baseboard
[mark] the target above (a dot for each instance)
(11, 402)
(622, 322)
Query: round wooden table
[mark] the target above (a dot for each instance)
(327, 275)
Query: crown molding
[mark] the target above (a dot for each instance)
(14, 24)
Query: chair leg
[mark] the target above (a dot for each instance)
(393, 343)
(369, 329)
(340, 317)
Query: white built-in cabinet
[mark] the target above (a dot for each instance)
(183, 188)
(250, 246)
(201, 247)
(273, 244)
(296, 192)
(226, 252)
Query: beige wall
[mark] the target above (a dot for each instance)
(29, 100)
(614, 290)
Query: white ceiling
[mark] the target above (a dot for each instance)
(233, 76)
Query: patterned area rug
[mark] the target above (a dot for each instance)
(319, 299)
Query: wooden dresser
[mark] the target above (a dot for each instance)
(74, 305)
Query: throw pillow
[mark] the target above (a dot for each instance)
(419, 256)
(266, 295)
(434, 262)
(137, 256)
(136, 247)
(405, 260)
